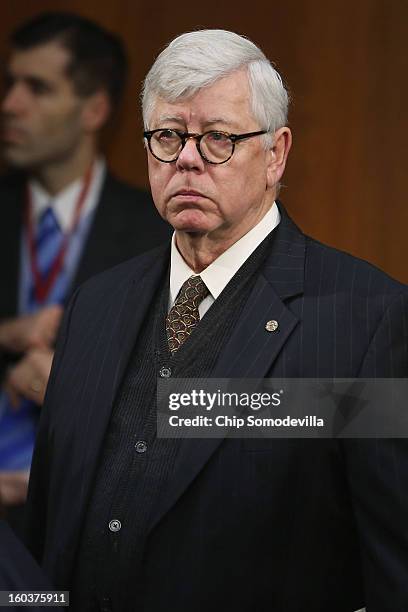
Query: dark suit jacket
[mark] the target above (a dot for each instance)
(125, 224)
(18, 570)
(284, 525)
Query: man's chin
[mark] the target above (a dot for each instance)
(191, 222)
(191, 229)
(16, 159)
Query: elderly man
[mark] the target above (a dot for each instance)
(131, 521)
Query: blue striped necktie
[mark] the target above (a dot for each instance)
(18, 427)
(48, 242)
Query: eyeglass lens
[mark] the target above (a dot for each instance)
(215, 146)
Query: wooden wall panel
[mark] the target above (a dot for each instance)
(346, 64)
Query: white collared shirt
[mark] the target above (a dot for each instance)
(218, 274)
(63, 204)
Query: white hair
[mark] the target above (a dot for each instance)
(197, 59)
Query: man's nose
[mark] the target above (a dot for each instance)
(14, 101)
(190, 158)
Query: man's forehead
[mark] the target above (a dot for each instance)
(226, 101)
(49, 60)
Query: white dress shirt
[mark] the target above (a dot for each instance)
(218, 274)
(64, 203)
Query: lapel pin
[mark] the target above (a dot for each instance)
(271, 326)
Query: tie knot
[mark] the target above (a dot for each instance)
(47, 220)
(47, 227)
(193, 291)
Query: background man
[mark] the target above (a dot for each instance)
(64, 216)
(252, 524)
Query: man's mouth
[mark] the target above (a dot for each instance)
(12, 134)
(188, 192)
(188, 195)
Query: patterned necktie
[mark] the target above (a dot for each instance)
(184, 315)
(48, 242)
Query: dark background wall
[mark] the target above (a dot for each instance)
(346, 64)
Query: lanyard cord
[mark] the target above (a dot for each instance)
(42, 286)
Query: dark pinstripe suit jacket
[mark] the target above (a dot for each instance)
(266, 525)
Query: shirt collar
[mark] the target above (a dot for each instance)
(63, 204)
(218, 274)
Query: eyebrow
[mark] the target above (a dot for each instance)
(207, 123)
(223, 125)
(219, 120)
(164, 118)
(30, 79)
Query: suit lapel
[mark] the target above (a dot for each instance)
(140, 296)
(105, 235)
(251, 350)
(132, 307)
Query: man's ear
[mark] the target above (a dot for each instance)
(96, 111)
(278, 154)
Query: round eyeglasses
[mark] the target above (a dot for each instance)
(214, 147)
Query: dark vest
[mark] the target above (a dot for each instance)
(135, 465)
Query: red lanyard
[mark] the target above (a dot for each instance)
(42, 286)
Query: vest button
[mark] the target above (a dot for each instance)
(165, 372)
(115, 525)
(106, 605)
(141, 446)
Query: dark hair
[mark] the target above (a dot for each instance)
(98, 58)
